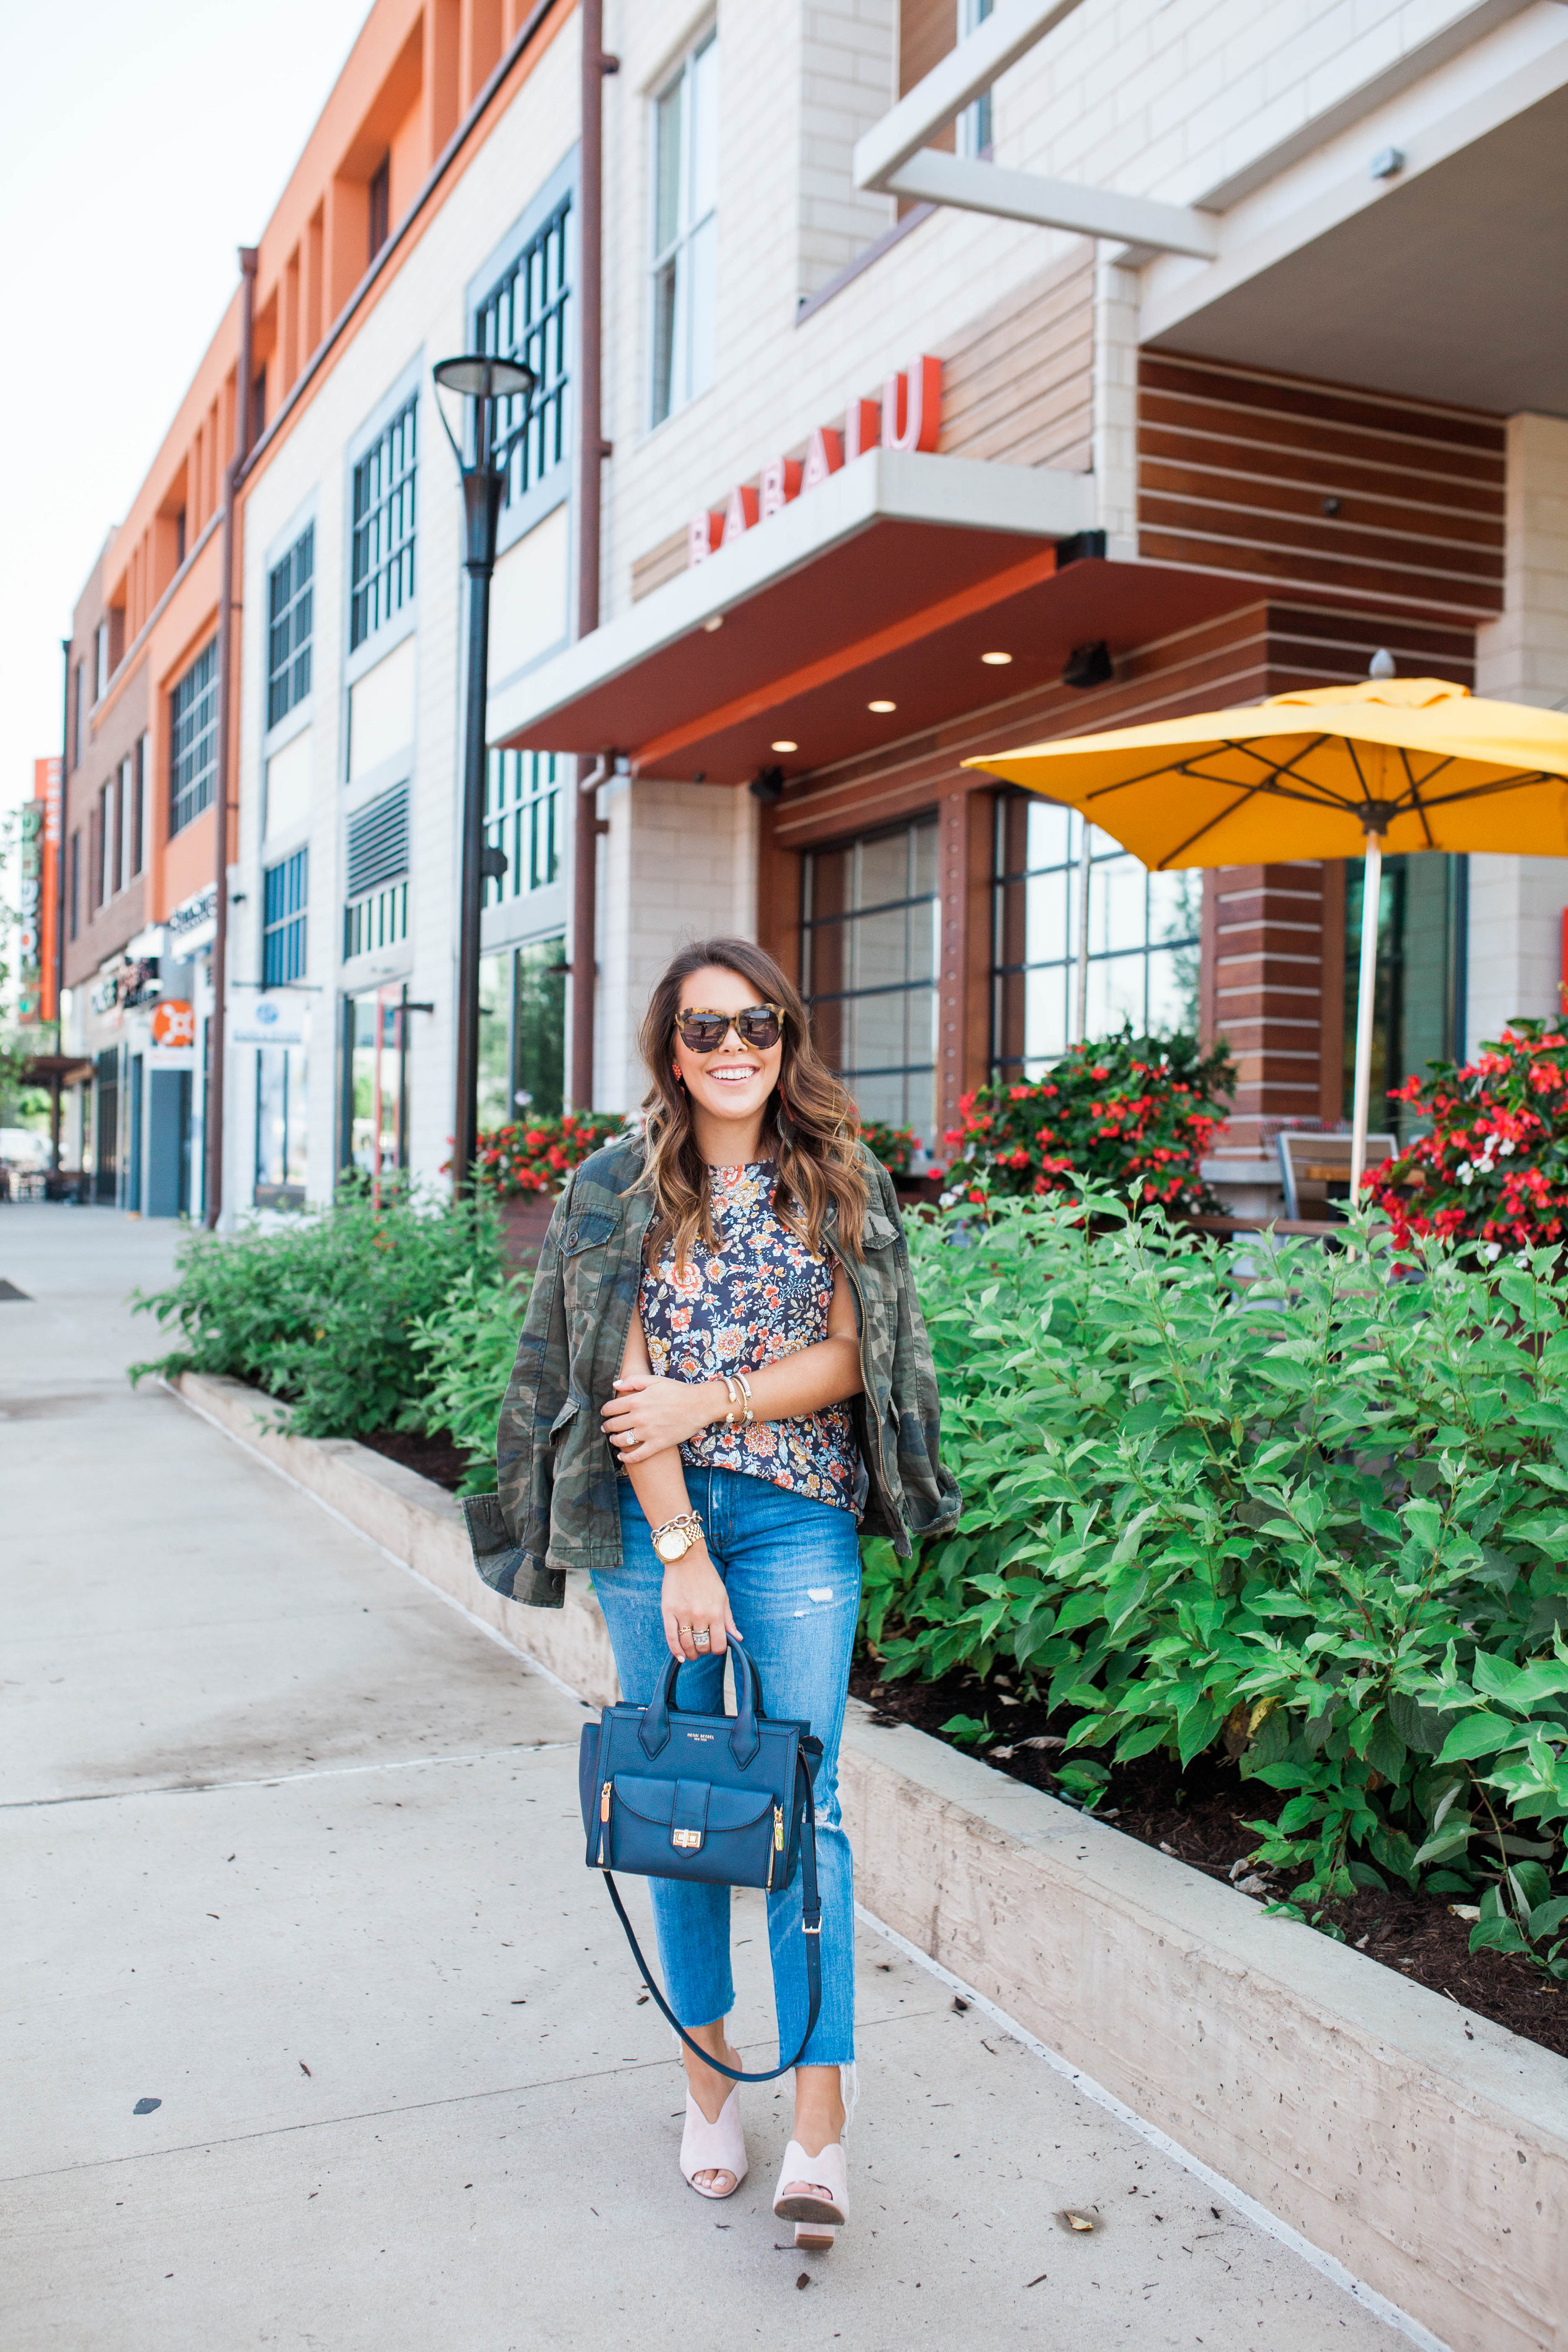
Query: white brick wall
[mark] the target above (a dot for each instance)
(679, 864)
(1517, 903)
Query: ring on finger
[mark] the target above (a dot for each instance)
(703, 1641)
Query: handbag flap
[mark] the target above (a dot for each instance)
(727, 1809)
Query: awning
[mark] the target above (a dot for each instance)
(813, 614)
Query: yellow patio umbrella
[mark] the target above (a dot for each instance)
(1394, 764)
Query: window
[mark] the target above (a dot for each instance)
(125, 864)
(376, 912)
(382, 581)
(193, 740)
(1143, 938)
(522, 1033)
(289, 609)
(139, 806)
(870, 965)
(380, 196)
(78, 734)
(974, 122)
(686, 231)
(524, 316)
(101, 661)
(280, 1097)
(75, 882)
(523, 820)
(1418, 997)
(258, 405)
(179, 539)
(375, 1082)
(283, 889)
(103, 865)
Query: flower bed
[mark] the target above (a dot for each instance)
(1122, 1114)
(532, 1155)
(1308, 1520)
(1492, 1172)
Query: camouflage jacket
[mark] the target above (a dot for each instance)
(558, 1505)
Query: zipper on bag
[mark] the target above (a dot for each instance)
(603, 1823)
(777, 1848)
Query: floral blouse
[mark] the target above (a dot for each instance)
(762, 1297)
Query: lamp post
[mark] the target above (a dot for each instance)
(482, 380)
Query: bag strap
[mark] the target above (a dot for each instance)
(811, 1927)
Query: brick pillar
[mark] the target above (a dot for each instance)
(1274, 995)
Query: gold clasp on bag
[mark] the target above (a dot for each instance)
(686, 1837)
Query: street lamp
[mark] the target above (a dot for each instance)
(484, 381)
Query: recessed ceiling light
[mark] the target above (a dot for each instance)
(997, 661)
(714, 621)
(784, 744)
(881, 706)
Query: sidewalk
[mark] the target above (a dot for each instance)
(408, 2100)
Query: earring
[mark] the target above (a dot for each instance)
(679, 1080)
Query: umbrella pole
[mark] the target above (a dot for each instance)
(1082, 1008)
(1366, 989)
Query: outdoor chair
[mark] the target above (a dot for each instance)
(1315, 1171)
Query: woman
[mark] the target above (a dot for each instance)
(722, 1377)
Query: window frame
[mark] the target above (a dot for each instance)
(300, 697)
(678, 247)
(521, 513)
(206, 776)
(1024, 1066)
(810, 923)
(405, 391)
(288, 926)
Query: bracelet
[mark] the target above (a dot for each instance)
(733, 1405)
(745, 1391)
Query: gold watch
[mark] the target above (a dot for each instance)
(675, 1537)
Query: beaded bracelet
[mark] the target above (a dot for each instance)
(745, 1391)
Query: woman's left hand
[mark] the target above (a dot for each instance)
(649, 1415)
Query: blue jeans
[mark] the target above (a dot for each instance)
(791, 1568)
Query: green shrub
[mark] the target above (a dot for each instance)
(467, 1347)
(1117, 1114)
(324, 1313)
(1291, 1504)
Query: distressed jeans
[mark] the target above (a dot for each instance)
(791, 1568)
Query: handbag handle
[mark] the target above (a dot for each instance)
(654, 1731)
(810, 1927)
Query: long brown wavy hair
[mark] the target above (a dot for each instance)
(811, 1125)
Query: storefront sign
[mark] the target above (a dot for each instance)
(138, 980)
(39, 831)
(193, 915)
(174, 1023)
(909, 417)
(276, 1020)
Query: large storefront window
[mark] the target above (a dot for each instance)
(523, 820)
(375, 1083)
(280, 1072)
(1143, 938)
(870, 964)
(522, 1033)
(1418, 1011)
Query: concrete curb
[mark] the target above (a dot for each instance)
(1425, 2150)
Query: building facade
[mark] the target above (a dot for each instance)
(967, 377)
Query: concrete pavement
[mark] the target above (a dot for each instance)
(294, 1851)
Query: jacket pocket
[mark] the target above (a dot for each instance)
(586, 1230)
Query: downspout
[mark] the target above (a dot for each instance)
(214, 1110)
(60, 915)
(591, 451)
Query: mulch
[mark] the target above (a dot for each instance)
(1201, 1817)
(434, 1457)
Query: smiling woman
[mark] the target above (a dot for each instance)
(730, 1289)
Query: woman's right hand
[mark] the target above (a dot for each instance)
(694, 1602)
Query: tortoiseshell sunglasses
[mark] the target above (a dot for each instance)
(760, 1027)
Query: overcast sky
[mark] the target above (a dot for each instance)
(141, 142)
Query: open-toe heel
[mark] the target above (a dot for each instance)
(819, 2203)
(718, 2146)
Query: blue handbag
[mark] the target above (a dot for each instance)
(722, 1798)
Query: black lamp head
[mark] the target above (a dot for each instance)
(767, 785)
(1089, 666)
(476, 375)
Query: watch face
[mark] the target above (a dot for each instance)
(673, 1545)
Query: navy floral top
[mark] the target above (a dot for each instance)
(763, 1296)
